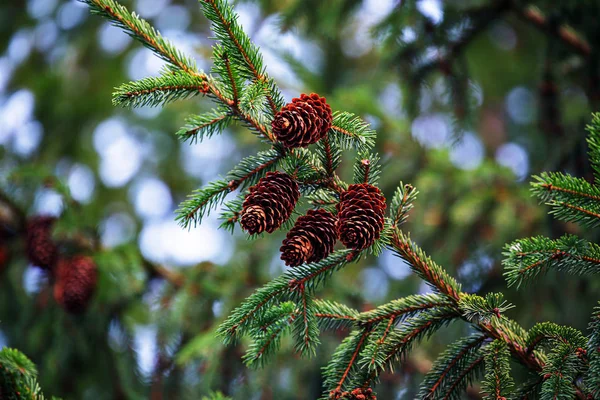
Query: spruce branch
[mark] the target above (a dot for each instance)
(400, 309)
(158, 91)
(423, 266)
(367, 168)
(402, 203)
(593, 141)
(380, 355)
(305, 327)
(551, 334)
(479, 309)
(344, 361)
(572, 199)
(527, 258)
(145, 33)
(497, 383)
(201, 201)
(334, 316)
(199, 127)
(592, 380)
(239, 46)
(255, 306)
(450, 365)
(351, 132)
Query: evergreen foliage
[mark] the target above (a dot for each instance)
(378, 340)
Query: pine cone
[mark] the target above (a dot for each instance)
(269, 203)
(311, 239)
(41, 249)
(356, 394)
(76, 280)
(360, 216)
(302, 122)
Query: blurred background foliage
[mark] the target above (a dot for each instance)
(469, 99)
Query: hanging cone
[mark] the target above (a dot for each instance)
(269, 203)
(311, 239)
(41, 249)
(76, 280)
(356, 394)
(303, 121)
(361, 213)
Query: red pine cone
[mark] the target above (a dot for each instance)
(76, 280)
(356, 394)
(311, 239)
(302, 122)
(360, 216)
(41, 249)
(269, 203)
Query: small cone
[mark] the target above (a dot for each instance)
(76, 280)
(41, 249)
(361, 212)
(311, 239)
(356, 394)
(302, 122)
(269, 203)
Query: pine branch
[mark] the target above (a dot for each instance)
(313, 275)
(334, 316)
(481, 310)
(252, 168)
(367, 168)
(400, 340)
(305, 327)
(497, 383)
(268, 339)
(142, 31)
(255, 306)
(527, 258)
(351, 132)
(199, 127)
(572, 199)
(593, 141)
(344, 361)
(201, 201)
(423, 266)
(551, 334)
(450, 365)
(145, 33)
(592, 379)
(402, 203)
(158, 91)
(400, 309)
(239, 46)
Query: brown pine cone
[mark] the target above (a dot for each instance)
(361, 213)
(356, 394)
(41, 249)
(269, 203)
(311, 239)
(76, 280)
(302, 122)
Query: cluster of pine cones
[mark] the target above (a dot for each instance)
(269, 203)
(75, 277)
